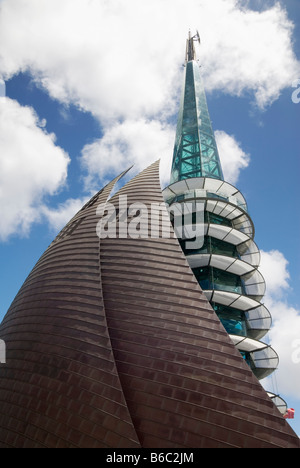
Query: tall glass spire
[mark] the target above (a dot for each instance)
(226, 265)
(195, 152)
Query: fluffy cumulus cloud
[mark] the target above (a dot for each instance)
(108, 57)
(233, 158)
(253, 46)
(31, 167)
(137, 142)
(285, 332)
(285, 339)
(120, 59)
(58, 217)
(274, 267)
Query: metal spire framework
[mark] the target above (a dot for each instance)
(226, 266)
(195, 152)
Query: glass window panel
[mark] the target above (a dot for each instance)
(203, 276)
(223, 280)
(233, 320)
(216, 219)
(221, 247)
(213, 278)
(214, 246)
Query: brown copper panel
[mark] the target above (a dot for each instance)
(113, 344)
(60, 386)
(184, 382)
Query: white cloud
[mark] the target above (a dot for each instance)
(137, 142)
(140, 142)
(121, 59)
(60, 216)
(285, 332)
(31, 167)
(285, 339)
(274, 268)
(255, 51)
(233, 158)
(97, 54)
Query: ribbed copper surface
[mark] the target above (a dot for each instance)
(113, 344)
(60, 386)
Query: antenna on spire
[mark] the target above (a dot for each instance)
(190, 47)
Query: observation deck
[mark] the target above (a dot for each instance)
(211, 220)
(225, 262)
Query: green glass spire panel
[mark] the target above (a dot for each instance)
(195, 152)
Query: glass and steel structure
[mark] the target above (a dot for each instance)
(227, 261)
(195, 153)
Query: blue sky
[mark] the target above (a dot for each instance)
(92, 88)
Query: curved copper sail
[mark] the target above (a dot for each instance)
(112, 343)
